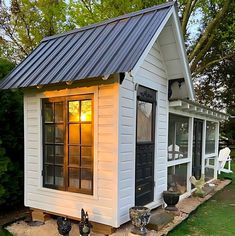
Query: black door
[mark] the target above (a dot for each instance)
(145, 145)
(197, 148)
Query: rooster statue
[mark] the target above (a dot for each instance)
(84, 225)
(198, 184)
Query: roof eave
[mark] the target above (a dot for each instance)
(197, 109)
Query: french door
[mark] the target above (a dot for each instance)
(145, 146)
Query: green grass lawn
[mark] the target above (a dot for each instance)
(215, 217)
(4, 232)
(232, 151)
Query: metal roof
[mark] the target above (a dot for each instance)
(105, 48)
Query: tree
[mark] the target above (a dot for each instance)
(11, 143)
(220, 86)
(209, 45)
(26, 22)
(211, 23)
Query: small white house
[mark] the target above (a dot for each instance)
(110, 118)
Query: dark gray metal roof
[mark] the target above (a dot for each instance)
(105, 48)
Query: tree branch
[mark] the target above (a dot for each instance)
(202, 53)
(211, 63)
(209, 29)
(187, 13)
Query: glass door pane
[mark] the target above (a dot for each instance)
(144, 121)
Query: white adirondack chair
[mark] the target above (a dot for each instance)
(224, 156)
(176, 152)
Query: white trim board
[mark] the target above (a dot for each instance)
(181, 48)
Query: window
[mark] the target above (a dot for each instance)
(68, 143)
(177, 137)
(177, 178)
(144, 124)
(210, 137)
(209, 168)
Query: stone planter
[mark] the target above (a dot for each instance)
(171, 198)
(139, 218)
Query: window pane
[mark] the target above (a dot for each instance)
(59, 134)
(86, 111)
(86, 133)
(59, 154)
(86, 180)
(74, 155)
(86, 157)
(209, 168)
(59, 109)
(49, 133)
(144, 121)
(177, 178)
(48, 112)
(74, 134)
(49, 174)
(74, 177)
(210, 137)
(177, 137)
(49, 154)
(74, 111)
(59, 176)
(74, 130)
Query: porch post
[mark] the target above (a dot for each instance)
(216, 149)
(203, 146)
(190, 153)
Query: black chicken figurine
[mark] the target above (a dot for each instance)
(85, 225)
(64, 226)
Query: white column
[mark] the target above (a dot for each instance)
(190, 152)
(216, 149)
(203, 146)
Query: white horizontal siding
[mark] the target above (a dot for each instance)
(152, 74)
(126, 148)
(102, 206)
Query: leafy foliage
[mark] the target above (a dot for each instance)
(11, 143)
(11, 183)
(25, 23)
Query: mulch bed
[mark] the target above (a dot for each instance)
(9, 216)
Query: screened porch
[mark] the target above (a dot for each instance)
(193, 136)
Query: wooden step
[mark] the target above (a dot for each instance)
(159, 219)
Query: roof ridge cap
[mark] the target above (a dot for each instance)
(108, 21)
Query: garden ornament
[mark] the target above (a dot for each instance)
(64, 226)
(140, 217)
(85, 225)
(198, 184)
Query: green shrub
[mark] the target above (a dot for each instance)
(11, 181)
(11, 143)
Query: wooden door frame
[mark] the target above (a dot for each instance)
(153, 100)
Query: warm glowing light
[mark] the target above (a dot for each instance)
(74, 111)
(86, 110)
(86, 116)
(83, 117)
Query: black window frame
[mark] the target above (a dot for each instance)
(65, 100)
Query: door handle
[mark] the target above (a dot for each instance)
(139, 189)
